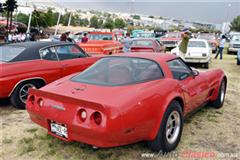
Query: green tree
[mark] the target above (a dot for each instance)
(119, 23)
(235, 24)
(136, 17)
(65, 18)
(109, 24)
(151, 17)
(51, 17)
(21, 17)
(94, 22)
(10, 6)
(100, 23)
(84, 22)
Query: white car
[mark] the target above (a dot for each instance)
(199, 51)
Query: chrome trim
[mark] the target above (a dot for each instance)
(39, 78)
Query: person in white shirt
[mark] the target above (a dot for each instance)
(221, 47)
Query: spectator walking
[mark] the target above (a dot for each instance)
(63, 37)
(127, 42)
(85, 38)
(221, 47)
(186, 35)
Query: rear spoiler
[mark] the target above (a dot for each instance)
(62, 98)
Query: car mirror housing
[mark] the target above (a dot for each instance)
(195, 73)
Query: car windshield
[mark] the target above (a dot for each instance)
(100, 37)
(146, 35)
(8, 53)
(236, 38)
(115, 71)
(142, 43)
(172, 35)
(199, 44)
(206, 37)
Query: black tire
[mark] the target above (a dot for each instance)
(238, 61)
(218, 103)
(229, 52)
(161, 143)
(15, 96)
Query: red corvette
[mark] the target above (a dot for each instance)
(34, 64)
(125, 99)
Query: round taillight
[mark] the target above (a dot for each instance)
(97, 117)
(32, 99)
(40, 102)
(82, 115)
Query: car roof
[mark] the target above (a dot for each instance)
(37, 45)
(142, 39)
(31, 51)
(159, 57)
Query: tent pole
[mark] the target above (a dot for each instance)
(58, 21)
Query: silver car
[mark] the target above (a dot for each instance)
(234, 44)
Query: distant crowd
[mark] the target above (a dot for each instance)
(19, 37)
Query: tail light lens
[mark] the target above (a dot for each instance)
(40, 102)
(32, 99)
(82, 115)
(97, 117)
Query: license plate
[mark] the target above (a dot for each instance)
(59, 129)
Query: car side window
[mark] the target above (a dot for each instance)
(48, 54)
(66, 52)
(179, 69)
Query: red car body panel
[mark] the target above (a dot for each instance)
(102, 46)
(156, 47)
(48, 71)
(172, 40)
(130, 113)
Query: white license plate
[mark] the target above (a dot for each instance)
(59, 129)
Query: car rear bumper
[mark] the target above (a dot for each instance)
(233, 49)
(197, 60)
(91, 135)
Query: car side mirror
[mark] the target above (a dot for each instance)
(195, 73)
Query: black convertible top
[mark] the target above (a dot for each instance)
(31, 51)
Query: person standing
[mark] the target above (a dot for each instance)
(186, 35)
(63, 37)
(85, 38)
(221, 47)
(127, 43)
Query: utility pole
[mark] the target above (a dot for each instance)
(70, 19)
(58, 21)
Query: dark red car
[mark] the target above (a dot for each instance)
(35, 64)
(126, 99)
(147, 45)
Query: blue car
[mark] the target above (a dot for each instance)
(238, 57)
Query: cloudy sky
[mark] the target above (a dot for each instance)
(214, 11)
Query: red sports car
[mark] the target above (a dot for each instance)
(126, 99)
(35, 64)
(146, 45)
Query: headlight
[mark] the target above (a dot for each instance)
(204, 55)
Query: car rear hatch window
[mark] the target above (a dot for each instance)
(198, 44)
(116, 71)
(8, 53)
